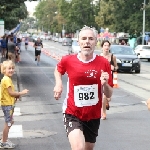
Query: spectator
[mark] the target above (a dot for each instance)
(11, 50)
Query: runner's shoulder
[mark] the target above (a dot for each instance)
(101, 58)
(69, 57)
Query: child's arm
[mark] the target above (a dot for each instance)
(16, 94)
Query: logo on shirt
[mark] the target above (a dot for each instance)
(91, 73)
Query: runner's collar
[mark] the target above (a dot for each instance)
(94, 56)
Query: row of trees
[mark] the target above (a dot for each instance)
(118, 15)
(11, 11)
(71, 15)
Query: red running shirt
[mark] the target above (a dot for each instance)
(84, 89)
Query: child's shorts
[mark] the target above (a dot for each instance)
(8, 114)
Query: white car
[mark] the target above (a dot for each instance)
(143, 51)
(75, 46)
(43, 37)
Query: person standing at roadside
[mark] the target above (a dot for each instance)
(8, 100)
(113, 63)
(4, 46)
(11, 50)
(38, 46)
(89, 75)
(18, 50)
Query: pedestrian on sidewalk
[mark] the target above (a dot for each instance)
(113, 63)
(38, 46)
(8, 100)
(18, 50)
(89, 76)
(11, 50)
(3, 46)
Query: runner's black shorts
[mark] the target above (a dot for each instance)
(37, 52)
(26, 43)
(89, 128)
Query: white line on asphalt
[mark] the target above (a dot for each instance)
(144, 102)
(15, 131)
(17, 111)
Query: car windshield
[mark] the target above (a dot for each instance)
(122, 50)
(146, 47)
(67, 39)
(75, 43)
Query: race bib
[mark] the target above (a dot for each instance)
(38, 48)
(86, 95)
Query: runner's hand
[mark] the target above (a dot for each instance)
(57, 91)
(104, 77)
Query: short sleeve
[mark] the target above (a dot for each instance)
(7, 83)
(61, 66)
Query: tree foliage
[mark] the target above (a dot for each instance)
(11, 11)
(48, 16)
(123, 15)
(78, 13)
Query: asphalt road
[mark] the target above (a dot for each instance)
(38, 116)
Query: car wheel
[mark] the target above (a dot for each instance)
(148, 60)
(137, 71)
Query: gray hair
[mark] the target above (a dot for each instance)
(89, 28)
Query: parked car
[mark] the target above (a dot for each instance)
(43, 37)
(143, 51)
(48, 37)
(66, 41)
(75, 46)
(35, 38)
(127, 60)
(56, 39)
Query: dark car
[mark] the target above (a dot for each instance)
(127, 60)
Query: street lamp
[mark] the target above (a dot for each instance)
(143, 34)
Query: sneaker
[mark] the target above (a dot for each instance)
(7, 145)
(11, 142)
(35, 59)
(8, 141)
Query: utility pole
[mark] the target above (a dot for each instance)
(143, 34)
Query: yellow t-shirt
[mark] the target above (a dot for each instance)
(6, 99)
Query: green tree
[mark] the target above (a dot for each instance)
(11, 11)
(78, 13)
(122, 16)
(28, 23)
(48, 16)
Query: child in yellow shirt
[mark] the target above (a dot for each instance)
(8, 99)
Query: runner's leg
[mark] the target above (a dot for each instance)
(104, 107)
(89, 146)
(77, 140)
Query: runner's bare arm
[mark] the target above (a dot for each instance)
(107, 89)
(58, 87)
(115, 63)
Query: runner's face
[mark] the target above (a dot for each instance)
(87, 42)
(106, 47)
(9, 71)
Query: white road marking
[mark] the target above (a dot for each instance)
(144, 102)
(17, 111)
(15, 131)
